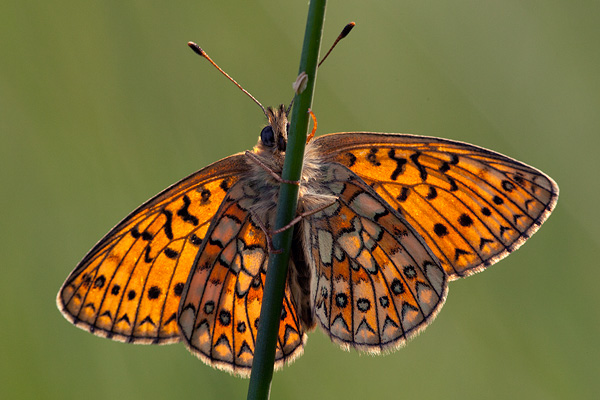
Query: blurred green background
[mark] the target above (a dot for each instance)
(102, 105)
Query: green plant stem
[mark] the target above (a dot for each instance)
(264, 354)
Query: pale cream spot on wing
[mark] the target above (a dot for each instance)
(368, 241)
(253, 259)
(336, 187)
(436, 277)
(325, 245)
(410, 317)
(427, 298)
(351, 243)
(337, 252)
(186, 320)
(371, 227)
(366, 205)
(365, 259)
(202, 338)
(243, 282)
(226, 229)
(222, 351)
(228, 253)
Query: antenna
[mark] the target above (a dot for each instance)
(202, 53)
(297, 83)
(342, 35)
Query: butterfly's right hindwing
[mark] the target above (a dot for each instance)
(377, 283)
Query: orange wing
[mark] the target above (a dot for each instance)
(220, 307)
(128, 287)
(377, 283)
(471, 205)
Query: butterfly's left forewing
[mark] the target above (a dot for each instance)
(377, 283)
(129, 285)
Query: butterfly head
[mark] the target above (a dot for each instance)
(273, 137)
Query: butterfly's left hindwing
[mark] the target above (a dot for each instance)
(220, 307)
(377, 283)
(129, 285)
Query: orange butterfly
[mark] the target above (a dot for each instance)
(388, 220)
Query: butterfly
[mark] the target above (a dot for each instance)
(388, 220)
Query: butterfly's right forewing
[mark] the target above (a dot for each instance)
(471, 205)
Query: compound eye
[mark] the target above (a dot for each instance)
(267, 136)
(282, 143)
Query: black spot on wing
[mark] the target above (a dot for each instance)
(415, 160)
(241, 327)
(351, 159)
(204, 195)
(195, 240)
(403, 194)
(225, 184)
(397, 287)
(483, 242)
(453, 185)
(465, 220)
(363, 304)
(225, 317)
(459, 252)
(384, 301)
(341, 300)
(147, 257)
(99, 282)
(508, 186)
(440, 230)
(372, 157)
(178, 289)
(154, 293)
(184, 213)
(400, 164)
(445, 167)
(148, 320)
(209, 307)
(168, 224)
(432, 194)
(170, 253)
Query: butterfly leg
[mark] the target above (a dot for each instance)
(278, 178)
(268, 235)
(300, 216)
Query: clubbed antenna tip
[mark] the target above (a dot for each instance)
(202, 53)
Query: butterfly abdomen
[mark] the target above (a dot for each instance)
(299, 280)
